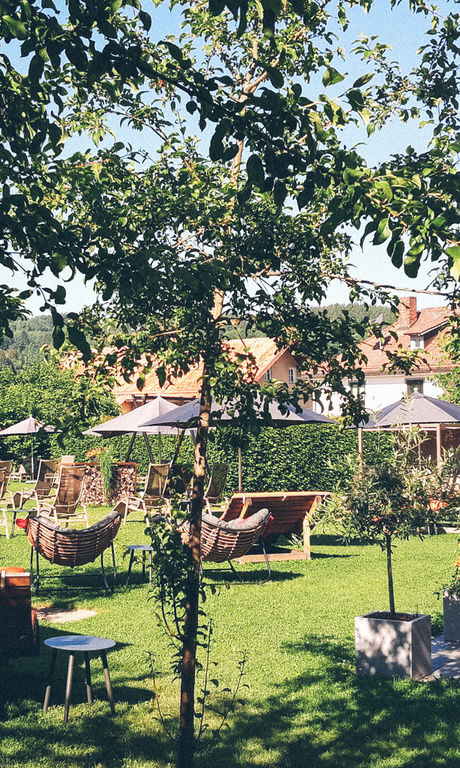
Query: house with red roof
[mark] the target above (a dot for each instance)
(424, 330)
(269, 363)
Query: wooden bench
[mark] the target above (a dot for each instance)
(292, 512)
(18, 622)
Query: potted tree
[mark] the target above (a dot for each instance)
(386, 501)
(451, 604)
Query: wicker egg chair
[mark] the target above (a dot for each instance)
(223, 541)
(73, 547)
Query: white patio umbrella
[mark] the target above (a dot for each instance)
(420, 410)
(186, 416)
(133, 423)
(29, 426)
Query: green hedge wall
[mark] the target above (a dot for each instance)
(294, 458)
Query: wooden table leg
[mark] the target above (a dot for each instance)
(50, 680)
(68, 687)
(89, 691)
(143, 565)
(108, 682)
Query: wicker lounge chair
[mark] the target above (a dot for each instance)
(63, 506)
(213, 494)
(223, 541)
(153, 495)
(18, 622)
(73, 547)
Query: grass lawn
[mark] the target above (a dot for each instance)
(304, 705)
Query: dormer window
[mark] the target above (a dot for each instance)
(414, 385)
(268, 375)
(417, 342)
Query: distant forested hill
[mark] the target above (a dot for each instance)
(23, 348)
(357, 312)
(30, 334)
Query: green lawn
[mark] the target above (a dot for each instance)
(304, 705)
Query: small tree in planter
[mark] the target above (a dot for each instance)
(451, 604)
(386, 501)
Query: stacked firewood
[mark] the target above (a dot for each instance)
(124, 484)
(124, 480)
(93, 486)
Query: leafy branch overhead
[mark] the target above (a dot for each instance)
(252, 84)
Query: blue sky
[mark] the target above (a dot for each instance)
(404, 31)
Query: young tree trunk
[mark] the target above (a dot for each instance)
(187, 695)
(390, 574)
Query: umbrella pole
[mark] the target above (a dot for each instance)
(360, 446)
(130, 446)
(240, 469)
(32, 468)
(178, 447)
(438, 445)
(149, 448)
(159, 448)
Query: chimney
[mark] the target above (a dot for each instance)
(407, 311)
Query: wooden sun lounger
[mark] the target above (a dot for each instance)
(291, 512)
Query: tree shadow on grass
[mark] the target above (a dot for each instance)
(259, 576)
(327, 716)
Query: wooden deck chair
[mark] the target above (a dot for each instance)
(226, 540)
(40, 492)
(213, 494)
(153, 495)
(19, 475)
(73, 547)
(3, 515)
(8, 467)
(68, 494)
(18, 622)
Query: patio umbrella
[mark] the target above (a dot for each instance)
(419, 410)
(186, 416)
(29, 426)
(130, 423)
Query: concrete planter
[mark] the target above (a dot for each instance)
(451, 610)
(393, 647)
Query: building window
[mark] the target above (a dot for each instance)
(292, 375)
(414, 385)
(417, 343)
(268, 375)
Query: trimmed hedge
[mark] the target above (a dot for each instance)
(312, 457)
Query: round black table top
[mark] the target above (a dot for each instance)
(79, 643)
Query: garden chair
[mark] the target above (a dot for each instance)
(64, 505)
(8, 467)
(18, 622)
(225, 540)
(292, 511)
(213, 494)
(19, 475)
(3, 516)
(43, 485)
(153, 495)
(70, 546)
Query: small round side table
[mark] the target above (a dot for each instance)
(144, 548)
(74, 644)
